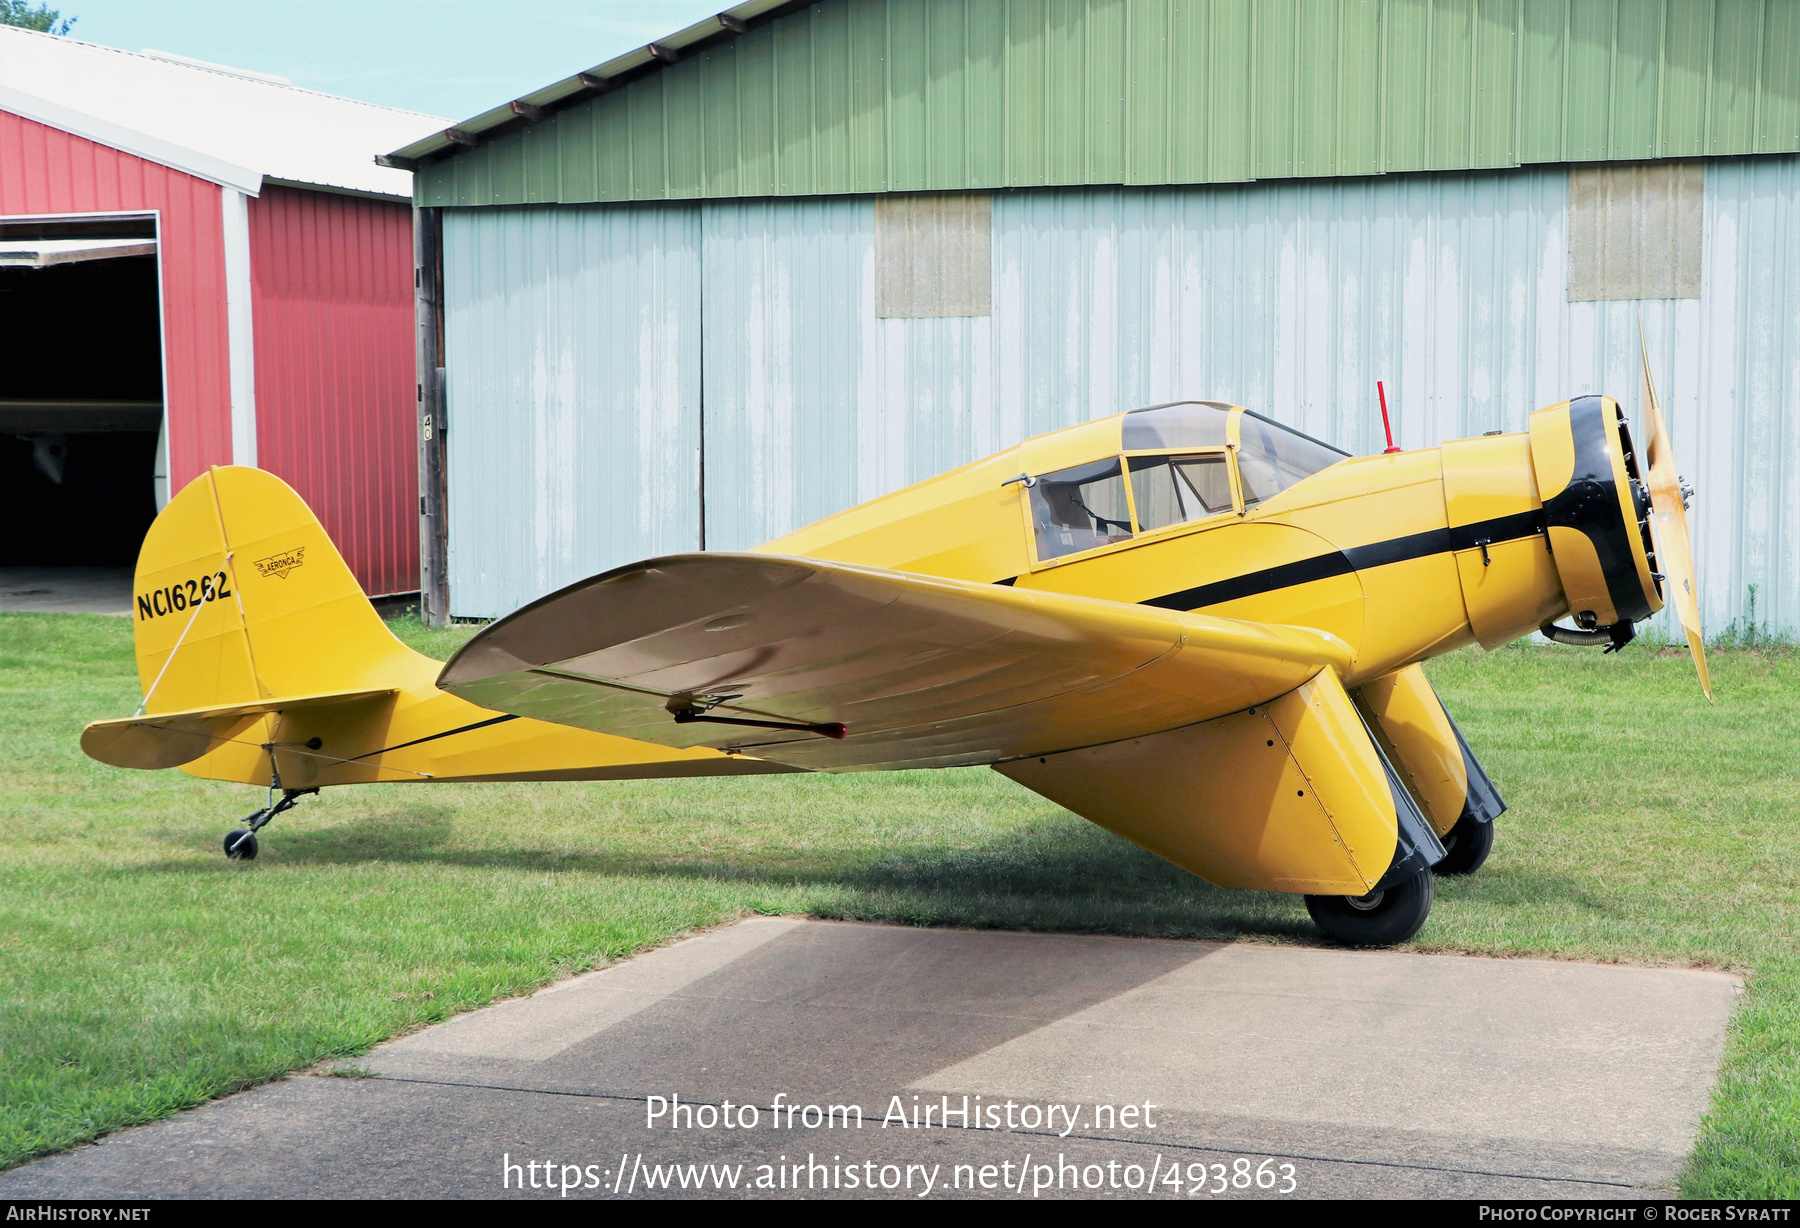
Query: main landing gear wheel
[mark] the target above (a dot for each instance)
(1466, 847)
(240, 845)
(1378, 919)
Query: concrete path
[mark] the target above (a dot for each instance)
(65, 590)
(1126, 1067)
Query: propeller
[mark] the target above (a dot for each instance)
(1668, 512)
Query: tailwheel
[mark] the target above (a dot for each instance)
(240, 843)
(1466, 846)
(1379, 919)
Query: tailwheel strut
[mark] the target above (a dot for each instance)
(240, 842)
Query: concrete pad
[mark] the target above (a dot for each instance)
(1367, 1074)
(553, 1019)
(1556, 1053)
(66, 590)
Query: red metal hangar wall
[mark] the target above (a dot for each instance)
(332, 297)
(200, 266)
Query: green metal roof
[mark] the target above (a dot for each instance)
(778, 98)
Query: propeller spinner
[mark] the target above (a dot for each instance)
(1668, 514)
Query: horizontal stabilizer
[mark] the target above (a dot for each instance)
(170, 739)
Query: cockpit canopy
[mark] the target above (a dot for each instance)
(1179, 463)
(1185, 424)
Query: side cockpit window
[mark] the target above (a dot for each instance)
(1081, 508)
(1172, 490)
(1272, 457)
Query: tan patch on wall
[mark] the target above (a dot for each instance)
(1635, 230)
(933, 255)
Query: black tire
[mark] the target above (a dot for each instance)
(1379, 919)
(1466, 847)
(240, 845)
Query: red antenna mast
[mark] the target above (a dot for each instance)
(1385, 424)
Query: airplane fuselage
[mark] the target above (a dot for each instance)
(1402, 557)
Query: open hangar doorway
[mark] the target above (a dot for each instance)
(81, 402)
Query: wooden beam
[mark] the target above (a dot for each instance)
(667, 55)
(434, 538)
(530, 110)
(598, 85)
(456, 136)
(737, 25)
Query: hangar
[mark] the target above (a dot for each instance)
(801, 254)
(199, 266)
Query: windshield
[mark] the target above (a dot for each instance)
(1080, 508)
(1272, 457)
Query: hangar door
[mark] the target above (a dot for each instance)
(81, 389)
(625, 381)
(572, 350)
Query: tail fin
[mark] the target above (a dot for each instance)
(244, 607)
(239, 572)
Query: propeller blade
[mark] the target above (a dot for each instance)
(1668, 514)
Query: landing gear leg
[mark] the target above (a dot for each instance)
(1378, 919)
(240, 842)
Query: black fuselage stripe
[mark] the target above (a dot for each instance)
(432, 737)
(1356, 558)
(1305, 571)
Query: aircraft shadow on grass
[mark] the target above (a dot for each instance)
(1049, 874)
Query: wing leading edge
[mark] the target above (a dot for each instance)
(920, 671)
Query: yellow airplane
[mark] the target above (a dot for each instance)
(1189, 624)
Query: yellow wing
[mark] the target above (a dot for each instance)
(770, 655)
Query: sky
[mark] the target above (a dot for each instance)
(454, 58)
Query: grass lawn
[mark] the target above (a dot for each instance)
(141, 972)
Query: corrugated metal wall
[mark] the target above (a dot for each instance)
(852, 96)
(1742, 396)
(1290, 298)
(47, 170)
(336, 407)
(572, 338)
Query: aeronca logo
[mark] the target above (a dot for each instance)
(278, 565)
